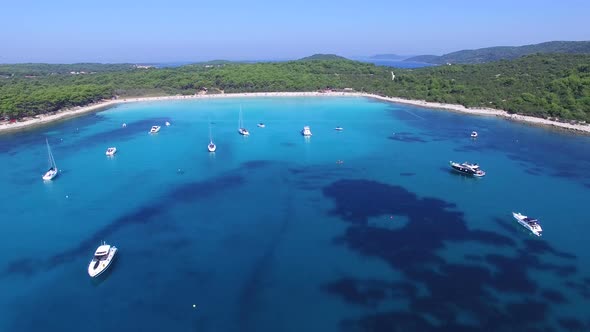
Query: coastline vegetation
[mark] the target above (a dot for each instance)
(542, 85)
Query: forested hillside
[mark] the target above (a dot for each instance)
(490, 54)
(550, 85)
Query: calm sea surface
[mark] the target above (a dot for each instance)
(271, 233)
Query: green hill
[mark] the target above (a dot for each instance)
(543, 85)
(489, 54)
(323, 57)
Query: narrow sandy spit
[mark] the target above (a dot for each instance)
(44, 119)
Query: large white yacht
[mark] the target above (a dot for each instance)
(103, 257)
(154, 129)
(306, 131)
(468, 168)
(529, 223)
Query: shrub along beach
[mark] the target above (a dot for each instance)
(544, 89)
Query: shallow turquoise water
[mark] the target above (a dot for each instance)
(270, 233)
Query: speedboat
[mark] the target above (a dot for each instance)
(103, 257)
(261, 125)
(468, 168)
(154, 129)
(474, 134)
(167, 123)
(211, 147)
(529, 223)
(124, 125)
(339, 128)
(243, 132)
(111, 151)
(306, 131)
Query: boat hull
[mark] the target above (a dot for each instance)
(211, 147)
(50, 175)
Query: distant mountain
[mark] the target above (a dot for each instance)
(389, 57)
(489, 54)
(323, 57)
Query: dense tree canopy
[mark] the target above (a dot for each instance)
(555, 85)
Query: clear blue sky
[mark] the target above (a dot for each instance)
(67, 31)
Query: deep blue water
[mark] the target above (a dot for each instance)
(270, 233)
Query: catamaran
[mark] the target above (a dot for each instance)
(211, 146)
(243, 131)
(102, 259)
(52, 171)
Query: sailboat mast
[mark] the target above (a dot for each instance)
(240, 125)
(51, 160)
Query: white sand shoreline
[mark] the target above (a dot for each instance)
(64, 114)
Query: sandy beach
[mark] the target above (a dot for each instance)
(68, 113)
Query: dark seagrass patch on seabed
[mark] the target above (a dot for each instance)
(453, 288)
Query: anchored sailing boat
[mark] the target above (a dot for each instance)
(211, 147)
(52, 171)
(243, 131)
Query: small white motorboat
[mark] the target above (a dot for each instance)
(111, 151)
(474, 134)
(529, 223)
(261, 125)
(306, 131)
(102, 259)
(124, 125)
(52, 171)
(154, 129)
(339, 128)
(167, 124)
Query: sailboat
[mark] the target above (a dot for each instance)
(211, 147)
(52, 171)
(243, 131)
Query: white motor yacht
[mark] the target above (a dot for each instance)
(306, 131)
(467, 168)
(154, 129)
(474, 134)
(261, 125)
(529, 223)
(103, 257)
(111, 151)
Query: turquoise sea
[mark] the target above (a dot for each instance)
(271, 233)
